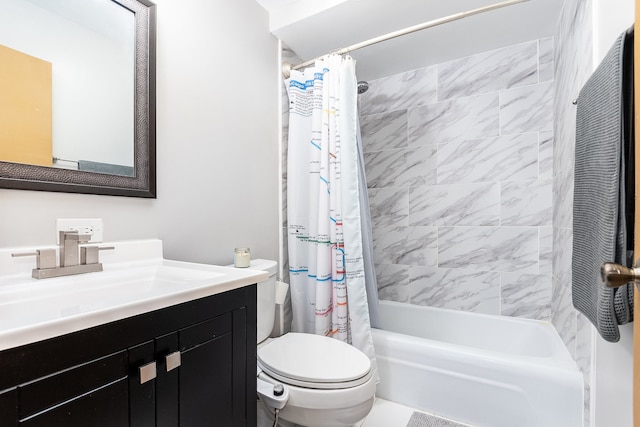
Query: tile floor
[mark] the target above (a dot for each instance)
(383, 414)
(387, 414)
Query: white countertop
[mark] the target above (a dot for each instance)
(136, 279)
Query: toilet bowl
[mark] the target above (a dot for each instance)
(309, 380)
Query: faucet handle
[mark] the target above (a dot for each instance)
(45, 258)
(89, 254)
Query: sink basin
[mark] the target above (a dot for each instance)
(32, 310)
(72, 295)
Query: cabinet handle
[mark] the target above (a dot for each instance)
(147, 372)
(173, 361)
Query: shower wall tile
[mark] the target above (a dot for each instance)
(505, 249)
(383, 168)
(573, 67)
(406, 245)
(285, 249)
(573, 64)
(545, 155)
(526, 295)
(284, 99)
(526, 109)
(393, 282)
(545, 260)
(584, 344)
(586, 333)
(389, 207)
(401, 168)
(420, 166)
(400, 91)
(564, 140)
(491, 71)
(457, 204)
(564, 316)
(384, 131)
(460, 182)
(526, 202)
(563, 198)
(489, 160)
(573, 59)
(455, 121)
(586, 422)
(562, 253)
(458, 289)
(545, 59)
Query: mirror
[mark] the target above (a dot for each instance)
(94, 127)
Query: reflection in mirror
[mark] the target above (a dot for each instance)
(80, 112)
(89, 47)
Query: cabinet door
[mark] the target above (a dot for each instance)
(167, 385)
(93, 394)
(206, 375)
(9, 407)
(142, 390)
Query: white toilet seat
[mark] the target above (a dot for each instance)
(315, 362)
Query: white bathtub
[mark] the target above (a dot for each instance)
(487, 371)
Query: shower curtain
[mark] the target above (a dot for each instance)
(326, 262)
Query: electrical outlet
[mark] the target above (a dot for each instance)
(91, 226)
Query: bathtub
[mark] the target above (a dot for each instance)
(487, 371)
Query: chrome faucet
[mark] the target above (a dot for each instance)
(69, 242)
(74, 256)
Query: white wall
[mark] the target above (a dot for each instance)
(611, 17)
(614, 380)
(216, 144)
(218, 98)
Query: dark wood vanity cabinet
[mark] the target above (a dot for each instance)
(203, 354)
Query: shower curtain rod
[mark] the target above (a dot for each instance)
(287, 67)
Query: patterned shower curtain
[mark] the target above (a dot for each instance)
(326, 265)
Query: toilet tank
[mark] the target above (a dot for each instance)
(266, 297)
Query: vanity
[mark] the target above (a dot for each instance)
(146, 342)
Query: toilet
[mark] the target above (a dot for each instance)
(309, 380)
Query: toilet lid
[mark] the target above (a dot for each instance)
(314, 361)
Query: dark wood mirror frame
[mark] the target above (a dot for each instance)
(143, 184)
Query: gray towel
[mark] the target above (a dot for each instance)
(600, 225)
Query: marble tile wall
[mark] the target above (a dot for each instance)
(573, 66)
(459, 165)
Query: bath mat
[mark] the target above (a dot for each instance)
(419, 419)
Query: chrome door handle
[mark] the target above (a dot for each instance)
(615, 275)
(173, 360)
(147, 372)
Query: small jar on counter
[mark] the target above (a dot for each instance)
(242, 257)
